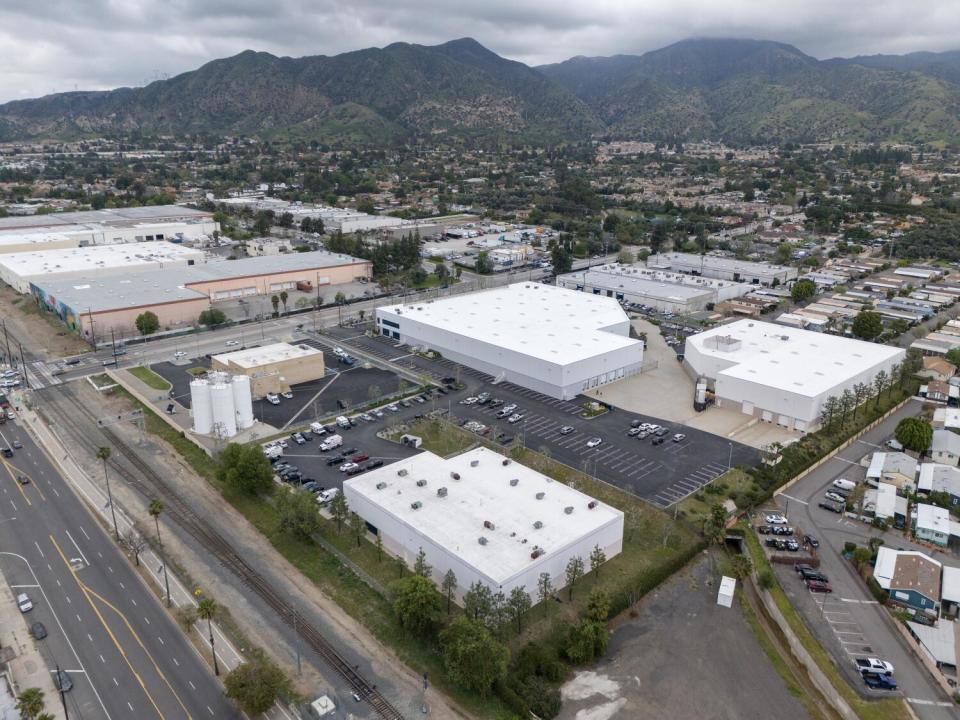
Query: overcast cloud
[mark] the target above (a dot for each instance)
(59, 45)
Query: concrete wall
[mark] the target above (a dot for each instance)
(265, 284)
(182, 313)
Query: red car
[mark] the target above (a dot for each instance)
(359, 458)
(819, 586)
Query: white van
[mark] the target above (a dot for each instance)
(326, 496)
(331, 442)
(317, 428)
(343, 422)
(844, 486)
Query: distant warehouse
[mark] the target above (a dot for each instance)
(658, 289)
(783, 375)
(556, 341)
(724, 268)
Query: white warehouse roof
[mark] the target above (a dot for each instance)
(97, 257)
(267, 355)
(505, 496)
(548, 323)
(802, 362)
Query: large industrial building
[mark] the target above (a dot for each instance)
(334, 218)
(658, 289)
(98, 302)
(783, 375)
(272, 368)
(556, 341)
(23, 269)
(485, 517)
(724, 268)
(105, 227)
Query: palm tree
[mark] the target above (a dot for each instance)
(275, 301)
(30, 703)
(156, 507)
(283, 299)
(103, 454)
(207, 610)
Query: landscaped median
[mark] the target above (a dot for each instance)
(149, 378)
(886, 709)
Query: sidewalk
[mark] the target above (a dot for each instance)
(228, 656)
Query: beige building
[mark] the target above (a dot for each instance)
(273, 368)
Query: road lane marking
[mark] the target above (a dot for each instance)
(16, 482)
(789, 497)
(39, 550)
(84, 532)
(87, 593)
(85, 561)
(24, 586)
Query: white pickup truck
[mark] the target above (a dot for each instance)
(873, 665)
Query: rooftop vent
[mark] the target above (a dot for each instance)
(421, 483)
(455, 476)
(541, 495)
(381, 485)
(482, 540)
(416, 505)
(568, 509)
(514, 482)
(441, 492)
(537, 525)
(402, 472)
(592, 504)
(537, 552)
(506, 461)
(474, 463)
(488, 525)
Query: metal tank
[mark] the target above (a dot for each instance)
(224, 417)
(200, 407)
(242, 401)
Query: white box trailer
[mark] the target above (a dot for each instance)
(728, 587)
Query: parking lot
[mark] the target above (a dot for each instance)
(662, 474)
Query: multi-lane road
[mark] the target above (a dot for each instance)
(125, 655)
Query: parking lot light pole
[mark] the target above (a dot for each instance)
(730, 456)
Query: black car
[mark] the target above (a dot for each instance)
(657, 441)
(373, 464)
(811, 541)
(346, 452)
(38, 631)
(449, 380)
(496, 402)
(764, 529)
(506, 439)
(635, 423)
(771, 542)
(7, 452)
(335, 460)
(441, 391)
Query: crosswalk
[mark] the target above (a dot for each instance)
(40, 376)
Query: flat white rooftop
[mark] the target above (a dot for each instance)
(549, 323)
(267, 355)
(484, 493)
(97, 257)
(800, 361)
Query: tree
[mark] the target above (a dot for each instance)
(598, 606)
(212, 317)
(147, 323)
(421, 567)
(103, 454)
(134, 542)
(442, 272)
(574, 572)
(207, 610)
(357, 525)
(879, 384)
(483, 265)
(478, 602)
(275, 301)
(449, 587)
(803, 290)
(867, 324)
(861, 391)
(154, 509)
(283, 299)
(846, 405)
(244, 469)
(597, 558)
(498, 610)
(561, 259)
(339, 298)
(740, 566)
(626, 258)
(30, 703)
(339, 509)
(472, 657)
(658, 237)
(256, 685)
(914, 434)
(586, 640)
(544, 588)
(519, 605)
(952, 356)
(418, 605)
(379, 547)
(297, 514)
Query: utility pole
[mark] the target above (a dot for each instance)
(113, 343)
(6, 337)
(296, 634)
(93, 335)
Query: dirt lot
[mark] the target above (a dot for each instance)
(684, 656)
(47, 335)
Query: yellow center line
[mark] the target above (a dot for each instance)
(33, 484)
(16, 482)
(123, 654)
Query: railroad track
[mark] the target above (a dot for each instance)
(153, 485)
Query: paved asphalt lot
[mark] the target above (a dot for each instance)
(851, 623)
(661, 474)
(677, 660)
(126, 656)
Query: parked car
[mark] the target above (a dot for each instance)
(23, 479)
(657, 440)
(811, 541)
(373, 464)
(496, 402)
(633, 432)
(763, 529)
(875, 681)
(509, 408)
(775, 519)
(873, 665)
(836, 497)
(272, 399)
(359, 458)
(63, 681)
(38, 630)
(468, 401)
(679, 437)
(288, 395)
(515, 418)
(335, 460)
(818, 586)
(17, 445)
(594, 442)
(660, 432)
(833, 506)
(566, 429)
(346, 466)
(24, 603)
(327, 495)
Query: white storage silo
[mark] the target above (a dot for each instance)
(242, 401)
(200, 407)
(224, 418)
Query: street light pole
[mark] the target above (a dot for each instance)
(730, 456)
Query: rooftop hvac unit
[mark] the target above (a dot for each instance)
(455, 476)
(421, 483)
(488, 525)
(541, 495)
(474, 463)
(416, 505)
(592, 504)
(482, 540)
(381, 485)
(506, 461)
(402, 473)
(441, 492)
(537, 552)
(514, 481)
(537, 525)
(568, 509)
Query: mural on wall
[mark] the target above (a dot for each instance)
(70, 318)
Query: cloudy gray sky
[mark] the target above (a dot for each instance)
(58, 45)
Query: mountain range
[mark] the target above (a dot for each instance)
(735, 90)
